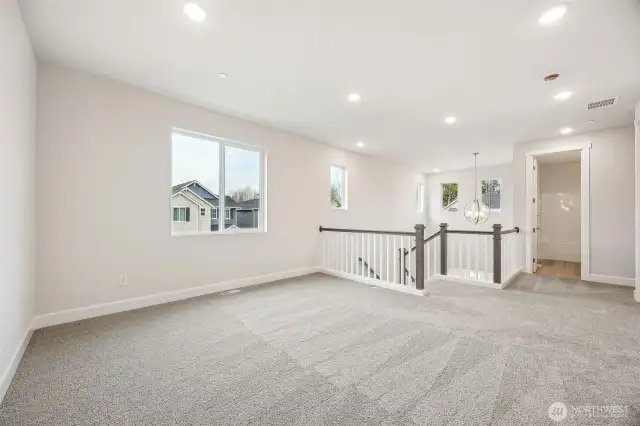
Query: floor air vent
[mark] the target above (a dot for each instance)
(224, 293)
(603, 103)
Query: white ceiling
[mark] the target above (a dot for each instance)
(292, 63)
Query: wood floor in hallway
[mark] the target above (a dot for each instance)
(558, 268)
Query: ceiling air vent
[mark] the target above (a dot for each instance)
(603, 103)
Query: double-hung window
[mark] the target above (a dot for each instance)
(181, 214)
(218, 174)
(490, 191)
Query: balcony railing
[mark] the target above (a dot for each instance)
(405, 260)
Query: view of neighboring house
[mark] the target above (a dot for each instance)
(194, 208)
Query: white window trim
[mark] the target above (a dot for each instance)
(203, 211)
(262, 190)
(345, 205)
(480, 192)
(227, 214)
(185, 214)
(214, 213)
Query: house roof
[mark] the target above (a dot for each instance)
(228, 202)
(209, 197)
(250, 204)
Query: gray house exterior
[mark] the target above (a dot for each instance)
(240, 215)
(249, 214)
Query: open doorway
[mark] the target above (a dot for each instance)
(558, 214)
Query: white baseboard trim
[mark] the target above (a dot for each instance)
(10, 371)
(606, 279)
(372, 281)
(512, 277)
(70, 315)
(485, 284)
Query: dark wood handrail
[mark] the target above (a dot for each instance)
(469, 232)
(425, 241)
(515, 230)
(366, 231)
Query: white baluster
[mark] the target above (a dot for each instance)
(395, 260)
(387, 255)
(468, 271)
(435, 255)
(477, 254)
(486, 257)
(426, 262)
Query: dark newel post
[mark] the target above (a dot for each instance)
(497, 254)
(419, 257)
(443, 248)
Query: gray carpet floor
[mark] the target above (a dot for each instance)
(321, 350)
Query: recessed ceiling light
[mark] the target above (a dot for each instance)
(436, 170)
(222, 75)
(566, 131)
(450, 120)
(194, 12)
(563, 96)
(360, 144)
(552, 15)
(354, 97)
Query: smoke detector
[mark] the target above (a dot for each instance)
(602, 103)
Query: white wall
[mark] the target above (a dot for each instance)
(637, 181)
(464, 178)
(17, 174)
(612, 196)
(559, 189)
(101, 142)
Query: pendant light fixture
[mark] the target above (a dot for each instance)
(476, 211)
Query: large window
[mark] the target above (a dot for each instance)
(491, 193)
(210, 173)
(449, 196)
(338, 187)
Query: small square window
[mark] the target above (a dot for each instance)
(203, 211)
(338, 187)
(214, 213)
(490, 191)
(449, 196)
(227, 213)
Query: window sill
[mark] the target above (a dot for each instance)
(204, 234)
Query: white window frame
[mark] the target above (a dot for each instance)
(480, 191)
(180, 208)
(227, 214)
(345, 204)
(203, 211)
(262, 173)
(214, 213)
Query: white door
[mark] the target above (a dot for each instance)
(535, 207)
